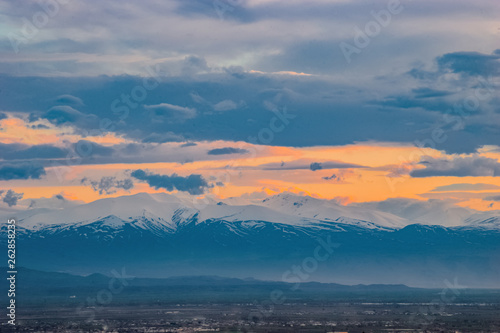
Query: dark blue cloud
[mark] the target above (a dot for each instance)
(188, 144)
(471, 166)
(109, 185)
(22, 152)
(163, 137)
(10, 197)
(332, 165)
(334, 176)
(407, 102)
(2, 116)
(88, 148)
(325, 113)
(23, 170)
(227, 150)
(165, 112)
(315, 166)
(69, 100)
(193, 184)
(471, 63)
(63, 114)
(425, 92)
(233, 10)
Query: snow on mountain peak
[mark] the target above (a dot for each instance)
(164, 211)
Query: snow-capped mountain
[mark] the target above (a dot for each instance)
(330, 210)
(165, 235)
(286, 209)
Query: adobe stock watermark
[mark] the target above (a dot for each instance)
(31, 26)
(296, 275)
(363, 37)
(116, 285)
(454, 119)
(427, 314)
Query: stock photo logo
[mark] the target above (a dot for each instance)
(250, 166)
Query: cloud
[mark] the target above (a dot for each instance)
(10, 197)
(227, 151)
(170, 112)
(188, 144)
(471, 63)
(18, 151)
(332, 165)
(471, 166)
(492, 198)
(3, 116)
(304, 164)
(225, 105)
(109, 185)
(332, 109)
(340, 177)
(426, 92)
(69, 100)
(63, 114)
(194, 65)
(23, 170)
(163, 137)
(88, 148)
(315, 166)
(466, 187)
(230, 10)
(193, 184)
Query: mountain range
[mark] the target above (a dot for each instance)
(278, 238)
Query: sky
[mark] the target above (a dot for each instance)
(355, 101)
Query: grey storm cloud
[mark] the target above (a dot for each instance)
(193, 184)
(109, 185)
(227, 151)
(24, 170)
(471, 166)
(10, 197)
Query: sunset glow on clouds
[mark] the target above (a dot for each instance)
(233, 105)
